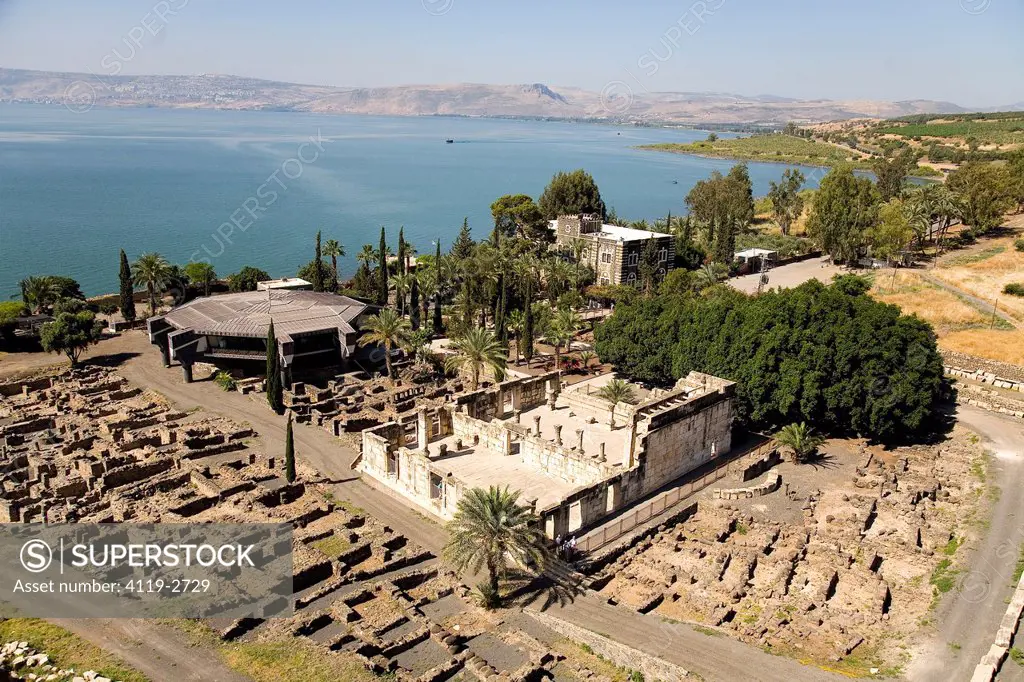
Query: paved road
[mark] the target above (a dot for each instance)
(718, 659)
(970, 615)
(787, 276)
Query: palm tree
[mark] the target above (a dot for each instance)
(492, 531)
(516, 325)
(152, 271)
(709, 275)
(387, 328)
(800, 440)
(563, 330)
(334, 249)
(401, 283)
(585, 357)
(475, 349)
(617, 391)
(426, 280)
(38, 293)
(367, 256)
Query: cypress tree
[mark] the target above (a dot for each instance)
(528, 323)
(414, 304)
(382, 264)
(438, 326)
(274, 388)
(318, 267)
(500, 324)
(127, 302)
(401, 250)
(289, 452)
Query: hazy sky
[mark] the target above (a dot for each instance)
(967, 51)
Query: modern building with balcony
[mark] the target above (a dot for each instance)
(315, 332)
(612, 251)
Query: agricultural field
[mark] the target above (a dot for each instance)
(771, 148)
(996, 132)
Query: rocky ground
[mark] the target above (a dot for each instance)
(839, 565)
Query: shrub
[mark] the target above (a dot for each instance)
(225, 381)
(1014, 289)
(1018, 244)
(486, 596)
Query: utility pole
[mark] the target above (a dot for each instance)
(995, 307)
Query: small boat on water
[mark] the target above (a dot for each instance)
(449, 141)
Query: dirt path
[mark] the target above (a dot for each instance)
(969, 616)
(979, 303)
(155, 650)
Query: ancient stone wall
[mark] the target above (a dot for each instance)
(561, 462)
(625, 656)
(1001, 374)
(492, 436)
(686, 442)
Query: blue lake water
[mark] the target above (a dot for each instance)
(252, 188)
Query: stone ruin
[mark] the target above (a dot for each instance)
(850, 569)
(422, 626)
(19, 661)
(355, 401)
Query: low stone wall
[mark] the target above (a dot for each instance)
(653, 668)
(766, 487)
(1000, 374)
(989, 399)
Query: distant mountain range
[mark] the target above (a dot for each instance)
(616, 103)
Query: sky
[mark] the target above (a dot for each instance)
(970, 52)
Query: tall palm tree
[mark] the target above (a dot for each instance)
(492, 531)
(475, 349)
(334, 249)
(617, 391)
(800, 440)
(38, 293)
(516, 325)
(401, 283)
(152, 271)
(388, 329)
(563, 329)
(426, 280)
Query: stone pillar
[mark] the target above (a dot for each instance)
(422, 436)
(165, 353)
(601, 457)
(518, 414)
(631, 444)
(517, 399)
(186, 370)
(536, 425)
(579, 439)
(558, 434)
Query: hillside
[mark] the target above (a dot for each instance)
(81, 91)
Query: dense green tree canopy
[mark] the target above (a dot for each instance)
(985, 193)
(844, 207)
(722, 205)
(571, 193)
(518, 215)
(73, 329)
(246, 279)
(828, 355)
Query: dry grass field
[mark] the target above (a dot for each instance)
(985, 272)
(959, 325)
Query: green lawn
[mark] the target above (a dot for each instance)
(67, 650)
